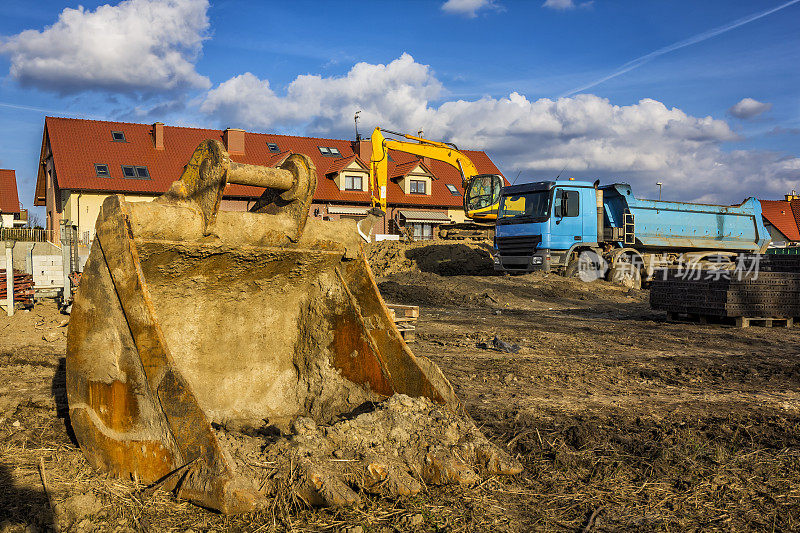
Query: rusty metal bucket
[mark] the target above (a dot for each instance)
(188, 316)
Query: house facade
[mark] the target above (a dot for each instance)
(84, 161)
(11, 214)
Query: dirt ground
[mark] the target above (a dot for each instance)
(622, 420)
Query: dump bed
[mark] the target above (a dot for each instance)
(686, 226)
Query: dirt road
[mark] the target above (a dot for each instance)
(622, 420)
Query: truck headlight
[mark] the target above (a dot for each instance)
(536, 260)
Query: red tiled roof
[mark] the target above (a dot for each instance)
(78, 144)
(795, 204)
(342, 162)
(9, 201)
(402, 169)
(784, 216)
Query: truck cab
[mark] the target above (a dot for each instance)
(540, 224)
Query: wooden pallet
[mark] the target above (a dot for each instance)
(405, 318)
(739, 321)
(746, 322)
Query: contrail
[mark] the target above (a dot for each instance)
(40, 110)
(700, 37)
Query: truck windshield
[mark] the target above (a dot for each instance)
(530, 207)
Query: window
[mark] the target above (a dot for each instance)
(273, 148)
(101, 170)
(530, 206)
(118, 136)
(352, 183)
(565, 203)
(417, 187)
(329, 151)
(134, 172)
(453, 190)
(421, 231)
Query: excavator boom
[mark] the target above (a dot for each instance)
(481, 191)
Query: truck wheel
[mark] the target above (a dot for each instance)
(588, 267)
(626, 273)
(572, 269)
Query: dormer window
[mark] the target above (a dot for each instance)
(329, 151)
(118, 136)
(352, 183)
(417, 187)
(101, 170)
(135, 172)
(273, 148)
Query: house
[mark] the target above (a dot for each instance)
(782, 219)
(11, 214)
(84, 161)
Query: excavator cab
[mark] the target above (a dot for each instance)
(482, 197)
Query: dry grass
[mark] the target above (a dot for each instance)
(680, 473)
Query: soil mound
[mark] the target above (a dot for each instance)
(445, 259)
(386, 450)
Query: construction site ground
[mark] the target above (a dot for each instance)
(622, 420)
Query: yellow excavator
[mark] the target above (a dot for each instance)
(481, 191)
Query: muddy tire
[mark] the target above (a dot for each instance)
(588, 267)
(626, 273)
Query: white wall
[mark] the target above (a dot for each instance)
(82, 209)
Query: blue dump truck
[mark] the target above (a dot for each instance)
(578, 228)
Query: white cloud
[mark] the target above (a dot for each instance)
(586, 136)
(135, 46)
(564, 5)
(559, 4)
(396, 92)
(468, 8)
(749, 108)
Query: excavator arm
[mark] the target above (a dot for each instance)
(486, 189)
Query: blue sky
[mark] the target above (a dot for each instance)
(703, 96)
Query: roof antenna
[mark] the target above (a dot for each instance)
(355, 119)
(516, 178)
(562, 170)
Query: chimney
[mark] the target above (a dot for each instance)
(234, 141)
(158, 135)
(362, 149)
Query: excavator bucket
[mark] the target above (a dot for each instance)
(189, 319)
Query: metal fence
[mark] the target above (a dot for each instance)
(25, 234)
(42, 235)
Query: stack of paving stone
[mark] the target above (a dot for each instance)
(766, 286)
